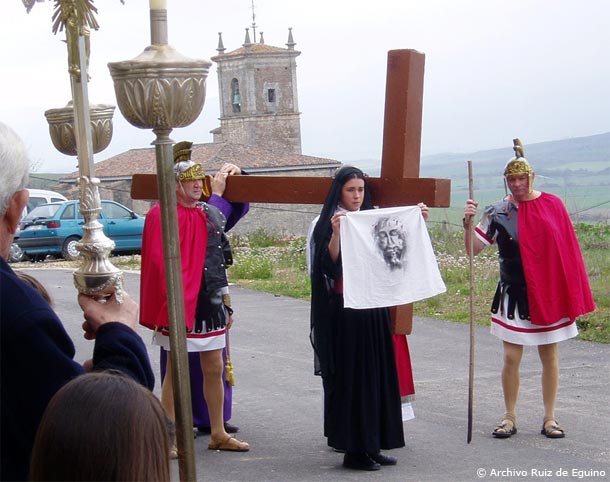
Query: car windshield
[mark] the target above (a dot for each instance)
(42, 212)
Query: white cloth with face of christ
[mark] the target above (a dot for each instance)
(388, 258)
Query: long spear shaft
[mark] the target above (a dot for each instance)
(471, 262)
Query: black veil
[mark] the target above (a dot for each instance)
(324, 271)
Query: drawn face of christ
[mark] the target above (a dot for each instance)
(391, 239)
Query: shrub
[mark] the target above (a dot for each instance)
(250, 265)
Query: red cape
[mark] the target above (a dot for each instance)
(555, 274)
(192, 227)
(403, 365)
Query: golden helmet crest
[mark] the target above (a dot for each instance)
(518, 165)
(184, 168)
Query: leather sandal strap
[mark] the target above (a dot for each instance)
(553, 427)
(509, 416)
(505, 427)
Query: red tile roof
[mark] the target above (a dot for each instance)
(212, 156)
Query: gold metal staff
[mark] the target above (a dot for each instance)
(161, 89)
(96, 274)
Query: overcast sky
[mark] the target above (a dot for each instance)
(495, 69)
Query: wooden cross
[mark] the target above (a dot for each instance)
(399, 183)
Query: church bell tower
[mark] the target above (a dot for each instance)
(258, 94)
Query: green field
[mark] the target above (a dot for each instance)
(584, 203)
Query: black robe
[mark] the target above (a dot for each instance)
(354, 354)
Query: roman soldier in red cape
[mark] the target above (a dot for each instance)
(207, 306)
(543, 284)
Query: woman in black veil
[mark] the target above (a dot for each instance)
(354, 352)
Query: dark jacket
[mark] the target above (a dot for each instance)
(36, 357)
(218, 254)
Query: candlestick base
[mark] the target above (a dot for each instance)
(96, 274)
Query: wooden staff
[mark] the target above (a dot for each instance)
(471, 260)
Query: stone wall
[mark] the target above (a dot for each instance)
(278, 131)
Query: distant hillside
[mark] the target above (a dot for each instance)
(577, 170)
(580, 155)
(591, 153)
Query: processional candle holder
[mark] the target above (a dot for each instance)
(62, 127)
(71, 133)
(160, 90)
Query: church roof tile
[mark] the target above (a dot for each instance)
(212, 156)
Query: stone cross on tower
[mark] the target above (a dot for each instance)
(399, 183)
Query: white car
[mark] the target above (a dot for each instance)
(42, 196)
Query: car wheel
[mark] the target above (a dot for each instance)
(15, 254)
(68, 250)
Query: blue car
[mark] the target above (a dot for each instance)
(56, 228)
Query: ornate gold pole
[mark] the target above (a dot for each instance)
(96, 274)
(159, 90)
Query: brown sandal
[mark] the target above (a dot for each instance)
(506, 428)
(552, 430)
(230, 444)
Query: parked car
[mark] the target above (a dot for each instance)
(42, 196)
(56, 228)
(37, 197)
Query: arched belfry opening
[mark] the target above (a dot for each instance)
(235, 96)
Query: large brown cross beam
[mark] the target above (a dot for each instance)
(399, 183)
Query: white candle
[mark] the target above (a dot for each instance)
(158, 4)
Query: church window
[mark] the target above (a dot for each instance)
(271, 95)
(235, 96)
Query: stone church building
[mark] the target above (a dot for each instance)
(259, 131)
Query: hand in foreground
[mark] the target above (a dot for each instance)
(219, 180)
(230, 169)
(425, 211)
(470, 210)
(99, 312)
(335, 222)
(219, 183)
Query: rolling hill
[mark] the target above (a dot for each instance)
(576, 169)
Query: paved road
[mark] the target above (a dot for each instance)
(277, 402)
